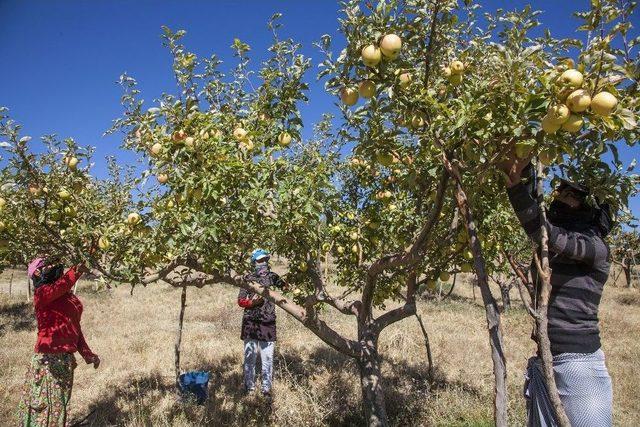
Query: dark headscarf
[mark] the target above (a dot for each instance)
(48, 275)
(584, 217)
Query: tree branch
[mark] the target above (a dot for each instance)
(307, 318)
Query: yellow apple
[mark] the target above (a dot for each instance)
(573, 124)
(246, 144)
(417, 121)
(549, 126)
(572, 78)
(354, 248)
(70, 212)
(444, 276)
(189, 141)
(457, 67)
(64, 194)
(133, 218)
(34, 190)
(284, 139)
(390, 45)
(465, 268)
(405, 79)
(393, 207)
(558, 114)
(178, 136)
(340, 250)
(155, 149)
(603, 103)
(103, 243)
(578, 101)
(367, 89)
(446, 71)
(239, 134)
(349, 96)
(354, 235)
(371, 55)
(326, 247)
(71, 162)
(163, 178)
(432, 284)
(468, 255)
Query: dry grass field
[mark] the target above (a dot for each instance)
(315, 385)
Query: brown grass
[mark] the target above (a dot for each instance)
(314, 384)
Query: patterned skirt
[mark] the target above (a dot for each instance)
(47, 390)
(584, 386)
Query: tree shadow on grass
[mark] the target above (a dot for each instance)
(136, 402)
(407, 388)
(16, 317)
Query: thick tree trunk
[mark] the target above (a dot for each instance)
(371, 383)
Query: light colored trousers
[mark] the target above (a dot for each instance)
(251, 350)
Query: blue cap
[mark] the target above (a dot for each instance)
(259, 255)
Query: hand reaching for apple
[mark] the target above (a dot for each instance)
(513, 167)
(256, 301)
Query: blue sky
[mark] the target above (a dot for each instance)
(61, 59)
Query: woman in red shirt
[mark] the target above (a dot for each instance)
(49, 378)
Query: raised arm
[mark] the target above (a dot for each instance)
(582, 247)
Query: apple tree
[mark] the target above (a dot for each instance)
(467, 94)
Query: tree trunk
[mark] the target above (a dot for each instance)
(427, 344)
(506, 298)
(183, 304)
(492, 313)
(542, 321)
(370, 382)
(627, 273)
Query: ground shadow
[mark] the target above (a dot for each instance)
(407, 387)
(16, 317)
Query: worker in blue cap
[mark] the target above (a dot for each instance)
(259, 323)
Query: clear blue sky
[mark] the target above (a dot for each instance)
(60, 59)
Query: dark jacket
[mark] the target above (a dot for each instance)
(579, 262)
(259, 323)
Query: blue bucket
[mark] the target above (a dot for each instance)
(194, 385)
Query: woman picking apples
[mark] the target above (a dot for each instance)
(49, 379)
(579, 262)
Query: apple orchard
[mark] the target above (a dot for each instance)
(398, 191)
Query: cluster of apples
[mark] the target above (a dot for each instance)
(575, 101)
(389, 49)
(454, 72)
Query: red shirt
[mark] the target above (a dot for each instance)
(58, 313)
